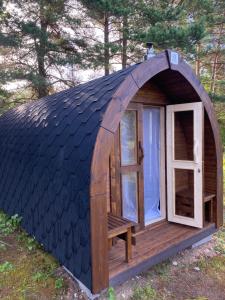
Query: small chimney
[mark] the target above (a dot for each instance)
(150, 51)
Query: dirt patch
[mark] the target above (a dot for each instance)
(192, 281)
(72, 291)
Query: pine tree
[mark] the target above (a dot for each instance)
(214, 52)
(45, 46)
(209, 54)
(6, 42)
(106, 14)
(166, 23)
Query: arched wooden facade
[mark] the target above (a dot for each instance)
(55, 160)
(158, 68)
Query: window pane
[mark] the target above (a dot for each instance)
(151, 134)
(128, 138)
(184, 193)
(129, 196)
(184, 135)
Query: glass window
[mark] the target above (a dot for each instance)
(129, 195)
(128, 137)
(184, 192)
(184, 135)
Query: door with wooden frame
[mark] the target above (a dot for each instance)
(185, 164)
(130, 169)
(138, 164)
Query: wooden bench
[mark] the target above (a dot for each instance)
(121, 228)
(209, 199)
(187, 204)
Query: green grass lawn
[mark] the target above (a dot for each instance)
(26, 271)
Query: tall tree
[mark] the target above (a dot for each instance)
(46, 44)
(105, 14)
(210, 55)
(216, 50)
(7, 41)
(166, 23)
(128, 25)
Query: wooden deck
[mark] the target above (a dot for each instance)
(153, 246)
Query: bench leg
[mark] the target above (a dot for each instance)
(128, 245)
(211, 210)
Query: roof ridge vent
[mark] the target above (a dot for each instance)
(150, 51)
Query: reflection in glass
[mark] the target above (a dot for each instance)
(184, 192)
(129, 195)
(128, 138)
(184, 135)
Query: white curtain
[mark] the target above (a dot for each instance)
(129, 189)
(128, 157)
(151, 122)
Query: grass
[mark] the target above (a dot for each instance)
(111, 294)
(216, 264)
(224, 178)
(28, 242)
(145, 293)
(220, 241)
(6, 267)
(8, 224)
(160, 270)
(184, 282)
(26, 271)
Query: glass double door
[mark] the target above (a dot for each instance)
(141, 140)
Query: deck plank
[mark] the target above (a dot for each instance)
(150, 244)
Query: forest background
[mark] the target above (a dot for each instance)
(48, 46)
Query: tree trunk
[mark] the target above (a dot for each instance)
(42, 86)
(215, 62)
(106, 43)
(198, 61)
(124, 42)
(214, 73)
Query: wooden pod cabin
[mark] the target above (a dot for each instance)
(117, 174)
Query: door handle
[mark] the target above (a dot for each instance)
(140, 153)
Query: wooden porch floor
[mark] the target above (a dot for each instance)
(153, 246)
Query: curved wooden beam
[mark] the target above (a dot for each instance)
(120, 100)
(139, 76)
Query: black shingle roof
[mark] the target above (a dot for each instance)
(46, 150)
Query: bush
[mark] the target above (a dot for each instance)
(9, 224)
(145, 293)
